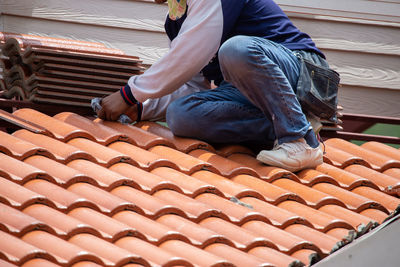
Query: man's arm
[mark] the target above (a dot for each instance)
(198, 41)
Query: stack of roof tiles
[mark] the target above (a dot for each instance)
(61, 71)
(81, 192)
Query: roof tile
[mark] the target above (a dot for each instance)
(184, 145)
(65, 252)
(63, 153)
(18, 251)
(62, 131)
(64, 226)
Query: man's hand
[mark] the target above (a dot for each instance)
(112, 107)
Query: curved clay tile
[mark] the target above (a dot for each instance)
(385, 182)
(115, 255)
(389, 202)
(236, 213)
(187, 164)
(286, 242)
(65, 226)
(195, 210)
(63, 175)
(155, 231)
(62, 152)
(267, 173)
(105, 178)
(65, 252)
(193, 254)
(18, 251)
(345, 179)
(111, 229)
(320, 220)
(352, 201)
(62, 131)
(275, 257)
(237, 257)
(271, 193)
(18, 223)
(103, 134)
(190, 186)
(184, 145)
(306, 256)
(339, 233)
(24, 124)
(377, 161)
(313, 198)
(375, 215)
(20, 197)
(153, 254)
(242, 238)
(226, 167)
(108, 203)
(229, 187)
(21, 149)
(152, 206)
(21, 172)
(383, 149)
(148, 182)
(279, 217)
(144, 159)
(104, 155)
(63, 199)
(141, 138)
(349, 216)
(227, 150)
(200, 236)
(394, 172)
(324, 241)
(342, 159)
(45, 263)
(311, 177)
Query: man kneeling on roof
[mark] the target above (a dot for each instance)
(265, 71)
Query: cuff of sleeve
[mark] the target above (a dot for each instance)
(127, 95)
(130, 100)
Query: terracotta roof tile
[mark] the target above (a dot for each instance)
(144, 159)
(141, 137)
(64, 252)
(19, 148)
(184, 145)
(63, 152)
(110, 253)
(148, 251)
(63, 225)
(194, 255)
(62, 131)
(102, 133)
(18, 223)
(378, 161)
(63, 199)
(94, 193)
(20, 197)
(17, 251)
(226, 167)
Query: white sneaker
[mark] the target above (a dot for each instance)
(292, 156)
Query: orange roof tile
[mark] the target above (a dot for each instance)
(91, 193)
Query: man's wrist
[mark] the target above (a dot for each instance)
(130, 100)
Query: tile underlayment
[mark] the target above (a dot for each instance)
(83, 192)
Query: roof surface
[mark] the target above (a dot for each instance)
(82, 192)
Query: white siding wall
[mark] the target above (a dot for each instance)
(361, 38)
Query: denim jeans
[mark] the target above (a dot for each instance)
(256, 102)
